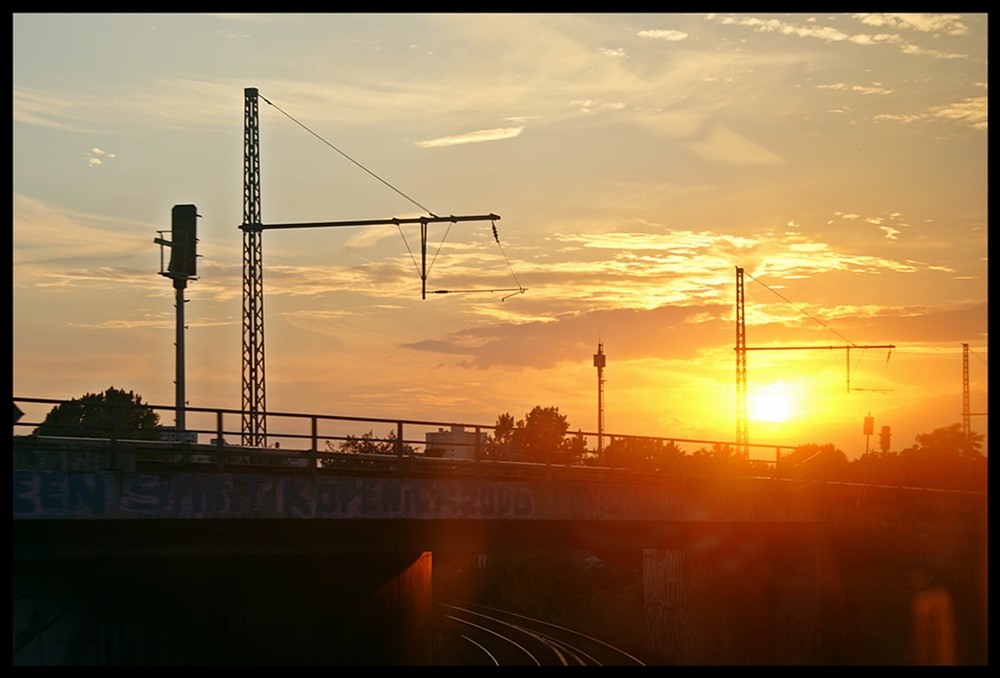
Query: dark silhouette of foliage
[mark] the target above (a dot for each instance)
(815, 462)
(643, 453)
(369, 444)
(719, 460)
(539, 437)
(500, 445)
(874, 467)
(945, 458)
(949, 440)
(115, 413)
(576, 448)
(543, 435)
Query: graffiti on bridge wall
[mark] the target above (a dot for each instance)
(55, 494)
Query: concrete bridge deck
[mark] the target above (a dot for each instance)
(736, 570)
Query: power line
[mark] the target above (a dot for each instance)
(742, 418)
(386, 183)
(801, 310)
(513, 275)
(852, 344)
(253, 378)
(520, 288)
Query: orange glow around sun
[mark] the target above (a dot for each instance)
(771, 403)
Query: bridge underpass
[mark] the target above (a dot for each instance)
(116, 566)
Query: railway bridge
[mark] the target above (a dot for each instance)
(144, 554)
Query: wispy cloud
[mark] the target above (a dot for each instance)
(477, 137)
(166, 321)
(49, 237)
(875, 88)
(946, 24)
(663, 34)
(97, 156)
(950, 25)
(972, 112)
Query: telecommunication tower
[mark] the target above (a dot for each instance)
(599, 361)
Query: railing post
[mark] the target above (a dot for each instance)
(220, 457)
(315, 439)
(115, 414)
(399, 440)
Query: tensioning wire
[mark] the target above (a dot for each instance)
(802, 311)
(520, 288)
(346, 156)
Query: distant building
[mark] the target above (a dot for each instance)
(456, 443)
(169, 434)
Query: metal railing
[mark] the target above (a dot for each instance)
(321, 439)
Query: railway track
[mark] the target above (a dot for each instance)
(469, 634)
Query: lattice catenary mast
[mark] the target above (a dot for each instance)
(966, 413)
(742, 423)
(254, 402)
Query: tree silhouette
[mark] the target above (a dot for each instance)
(815, 462)
(648, 454)
(949, 440)
(576, 448)
(500, 445)
(544, 435)
(113, 414)
(944, 458)
(539, 437)
(367, 443)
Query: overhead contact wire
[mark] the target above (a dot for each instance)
(520, 288)
(496, 237)
(803, 311)
(348, 157)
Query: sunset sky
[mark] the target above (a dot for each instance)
(635, 161)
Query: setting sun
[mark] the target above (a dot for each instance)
(770, 403)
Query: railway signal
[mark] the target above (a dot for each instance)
(182, 267)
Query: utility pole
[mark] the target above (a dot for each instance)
(599, 362)
(254, 406)
(742, 424)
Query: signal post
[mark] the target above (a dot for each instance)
(182, 267)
